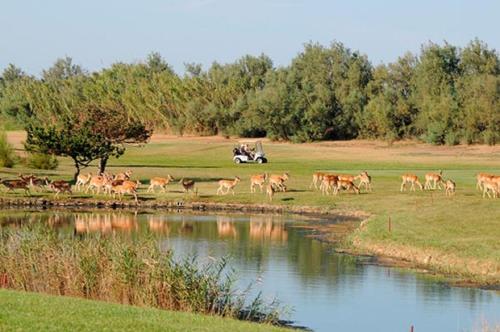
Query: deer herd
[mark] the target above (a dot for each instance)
(327, 183)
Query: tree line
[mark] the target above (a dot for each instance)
(442, 95)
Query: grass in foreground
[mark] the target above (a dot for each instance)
(20, 311)
(465, 226)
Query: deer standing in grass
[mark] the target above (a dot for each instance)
(123, 176)
(11, 185)
(329, 183)
(82, 181)
(433, 180)
(278, 181)
(98, 182)
(159, 182)
(126, 187)
(270, 190)
(228, 185)
(188, 185)
(364, 179)
(450, 187)
(347, 185)
(60, 186)
(490, 185)
(410, 179)
(257, 180)
(480, 178)
(317, 178)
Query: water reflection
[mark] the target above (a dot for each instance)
(328, 291)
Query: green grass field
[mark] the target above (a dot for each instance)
(20, 311)
(462, 231)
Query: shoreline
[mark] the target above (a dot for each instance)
(342, 229)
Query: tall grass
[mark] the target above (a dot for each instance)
(129, 271)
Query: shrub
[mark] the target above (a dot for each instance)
(7, 156)
(452, 138)
(42, 161)
(435, 134)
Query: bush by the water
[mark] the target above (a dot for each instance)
(7, 155)
(130, 271)
(42, 161)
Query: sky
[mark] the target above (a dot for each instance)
(97, 33)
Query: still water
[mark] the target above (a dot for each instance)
(327, 291)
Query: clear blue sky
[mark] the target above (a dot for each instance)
(96, 33)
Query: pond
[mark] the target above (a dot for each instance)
(326, 290)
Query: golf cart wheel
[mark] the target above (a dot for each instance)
(264, 160)
(237, 161)
(260, 160)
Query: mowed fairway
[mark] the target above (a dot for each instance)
(462, 226)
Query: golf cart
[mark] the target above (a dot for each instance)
(246, 152)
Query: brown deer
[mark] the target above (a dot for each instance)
(11, 185)
(228, 185)
(126, 187)
(329, 183)
(257, 180)
(450, 187)
(123, 176)
(188, 185)
(278, 181)
(60, 186)
(347, 185)
(364, 179)
(433, 180)
(34, 182)
(410, 179)
(480, 178)
(98, 182)
(82, 181)
(317, 178)
(346, 177)
(490, 185)
(159, 182)
(270, 190)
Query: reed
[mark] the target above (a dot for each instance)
(124, 270)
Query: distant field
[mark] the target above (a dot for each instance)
(20, 311)
(465, 226)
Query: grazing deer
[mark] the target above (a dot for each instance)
(480, 178)
(11, 185)
(60, 186)
(411, 179)
(159, 182)
(257, 180)
(450, 187)
(188, 185)
(433, 179)
(364, 179)
(270, 190)
(317, 178)
(492, 186)
(347, 185)
(123, 176)
(329, 182)
(126, 187)
(278, 181)
(34, 182)
(228, 185)
(82, 181)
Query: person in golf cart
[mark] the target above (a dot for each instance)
(244, 153)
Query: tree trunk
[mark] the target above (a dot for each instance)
(77, 166)
(102, 164)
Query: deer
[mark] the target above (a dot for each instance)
(188, 185)
(317, 178)
(98, 182)
(270, 190)
(329, 182)
(364, 179)
(410, 179)
(82, 181)
(11, 185)
(347, 185)
(228, 185)
(159, 182)
(449, 187)
(60, 186)
(490, 185)
(432, 180)
(257, 180)
(480, 178)
(33, 181)
(278, 181)
(123, 176)
(126, 187)
(346, 177)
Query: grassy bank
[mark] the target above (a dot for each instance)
(21, 311)
(456, 234)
